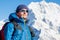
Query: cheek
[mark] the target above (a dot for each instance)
(22, 14)
(25, 14)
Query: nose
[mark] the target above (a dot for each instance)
(25, 12)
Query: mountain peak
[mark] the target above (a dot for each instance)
(47, 19)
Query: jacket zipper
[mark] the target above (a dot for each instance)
(26, 32)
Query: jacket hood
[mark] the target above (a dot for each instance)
(14, 17)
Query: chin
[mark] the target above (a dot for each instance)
(25, 18)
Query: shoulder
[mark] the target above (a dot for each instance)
(9, 24)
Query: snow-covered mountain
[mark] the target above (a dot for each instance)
(45, 17)
(1, 24)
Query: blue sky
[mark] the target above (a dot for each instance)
(9, 6)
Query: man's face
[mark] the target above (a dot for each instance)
(23, 13)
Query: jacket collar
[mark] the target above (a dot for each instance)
(14, 17)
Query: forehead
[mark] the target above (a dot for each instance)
(24, 9)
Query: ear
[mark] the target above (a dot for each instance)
(18, 14)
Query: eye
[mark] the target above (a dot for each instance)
(24, 11)
(27, 11)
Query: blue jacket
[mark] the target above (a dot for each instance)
(18, 34)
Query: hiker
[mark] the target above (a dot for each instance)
(22, 31)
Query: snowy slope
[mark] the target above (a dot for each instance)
(1, 24)
(47, 18)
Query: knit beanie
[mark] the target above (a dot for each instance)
(20, 7)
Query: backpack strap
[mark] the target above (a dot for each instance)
(32, 31)
(16, 25)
